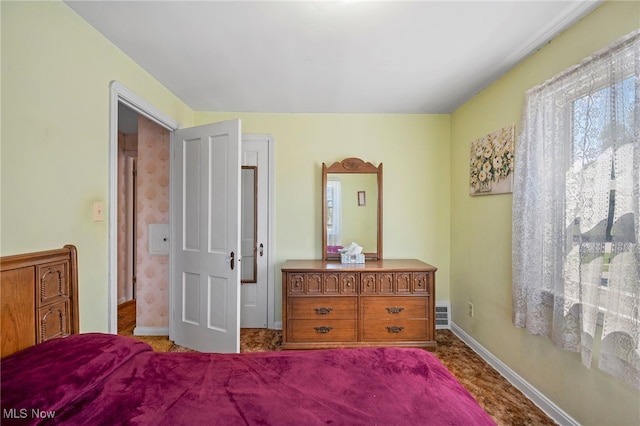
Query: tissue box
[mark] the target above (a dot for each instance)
(351, 258)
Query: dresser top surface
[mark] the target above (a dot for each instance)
(302, 265)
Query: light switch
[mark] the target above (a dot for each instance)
(98, 211)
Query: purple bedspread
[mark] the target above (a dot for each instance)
(101, 379)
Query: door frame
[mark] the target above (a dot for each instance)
(120, 94)
(270, 223)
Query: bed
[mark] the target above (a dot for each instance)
(96, 378)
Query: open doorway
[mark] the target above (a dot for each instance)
(142, 209)
(127, 162)
(122, 97)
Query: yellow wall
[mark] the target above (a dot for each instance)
(414, 150)
(481, 235)
(56, 71)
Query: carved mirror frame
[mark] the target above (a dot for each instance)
(351, 165)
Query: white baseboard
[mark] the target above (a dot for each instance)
(277, 325)
(544, 403)
(151, 331)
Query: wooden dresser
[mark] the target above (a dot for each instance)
(327, 304)
(39, 297)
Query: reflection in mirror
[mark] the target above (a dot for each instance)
(334, 213)
(352, 207)
(248, 232)
(352, 202)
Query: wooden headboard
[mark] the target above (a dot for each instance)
(38, 298)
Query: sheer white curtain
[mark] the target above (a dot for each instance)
(576, 199)
(334, 213)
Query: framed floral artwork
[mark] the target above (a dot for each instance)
(491, 165)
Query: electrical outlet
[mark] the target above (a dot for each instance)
(470, 308)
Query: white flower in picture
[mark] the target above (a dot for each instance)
(491, 163)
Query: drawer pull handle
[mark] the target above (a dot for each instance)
(323, 311)
(394, 328)
(323, 329)
(395, 309)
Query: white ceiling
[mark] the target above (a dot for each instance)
(329, 57)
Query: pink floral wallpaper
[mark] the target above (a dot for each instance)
(152, 206)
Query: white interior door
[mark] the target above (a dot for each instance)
(255, 244)
(205, 242)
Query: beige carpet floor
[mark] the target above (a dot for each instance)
(504, 403)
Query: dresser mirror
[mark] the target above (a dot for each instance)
(351, 208)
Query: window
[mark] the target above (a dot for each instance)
(576, 204)
(334, 214)
(600, 128)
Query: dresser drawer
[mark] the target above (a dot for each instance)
(377, 283)
(320, 308)
(421, 282)
(395, 330)
(299, 283)
(392, 283)
(317, 330)
(322, 283)
(392, 308)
